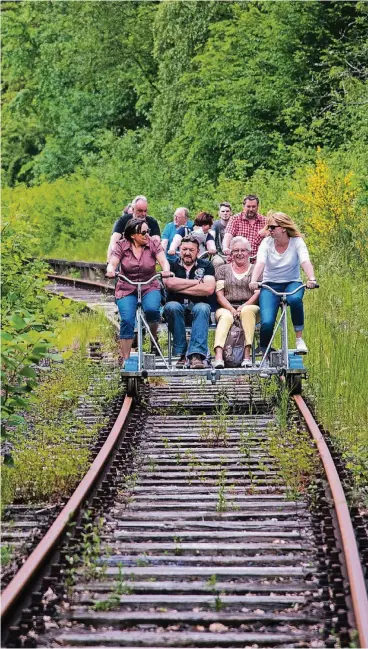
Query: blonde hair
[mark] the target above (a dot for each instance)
(284, 221)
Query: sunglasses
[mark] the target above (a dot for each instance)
(273, 227)
(144, 232)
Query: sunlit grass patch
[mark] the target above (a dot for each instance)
(84, 328)
(53, 450)
(337, 336)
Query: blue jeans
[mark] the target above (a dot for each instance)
(127, 308)
(198, 315)
(269, 304)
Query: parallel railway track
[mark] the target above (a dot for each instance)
(195, 540)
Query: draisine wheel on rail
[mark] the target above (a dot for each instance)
(132, 387)
(294, 384)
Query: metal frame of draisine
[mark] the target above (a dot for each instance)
(285, 362)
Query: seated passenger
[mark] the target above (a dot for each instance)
(137, 255)
(188, 302)
(201, 232)
(236, 300)
(279, 258)
(181, 216)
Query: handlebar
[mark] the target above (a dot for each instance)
(148, 281)
(280, 294)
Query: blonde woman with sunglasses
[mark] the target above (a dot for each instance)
(280, 256)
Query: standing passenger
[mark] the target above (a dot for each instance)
(218, 231)
(201, 232)
(140, 208)
(248, 224)
(181, 216)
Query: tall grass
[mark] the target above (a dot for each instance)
(337, 336)
(53, 450)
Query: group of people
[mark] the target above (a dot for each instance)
(226, 283)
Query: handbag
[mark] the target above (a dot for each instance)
(233, 352)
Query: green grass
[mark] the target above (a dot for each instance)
(337, 337)
(6, 554)
(53, 450)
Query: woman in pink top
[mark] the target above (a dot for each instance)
(137, 255)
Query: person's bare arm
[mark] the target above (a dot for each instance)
(161, 258)
(115, 237)
(309, 271)
(257, 272)
(164, 243)
(224, 302)
(228, 237)
(204, 288)
(252, 300)
(112, 266)
(211, 248)
(179, 284)
(175, 244)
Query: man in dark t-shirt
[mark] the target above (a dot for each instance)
(188, 302)
(140, 208)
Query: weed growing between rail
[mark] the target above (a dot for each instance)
(293, 449)
(52, 451)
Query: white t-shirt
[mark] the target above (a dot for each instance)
(285, 266)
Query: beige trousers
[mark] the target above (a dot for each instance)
(249, 316)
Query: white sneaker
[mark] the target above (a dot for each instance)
(247, 362)
(301, 347)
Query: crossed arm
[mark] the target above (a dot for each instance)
(191, 286)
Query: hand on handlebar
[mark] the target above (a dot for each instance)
(167, 273)
(311, 283)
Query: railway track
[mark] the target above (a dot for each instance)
(191, 538)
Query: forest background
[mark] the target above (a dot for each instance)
(192, 103)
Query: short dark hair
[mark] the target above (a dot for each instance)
(251, 197)
(203, 218)
(134, 226)
(225, 204)
(190, 239)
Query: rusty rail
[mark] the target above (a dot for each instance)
(350, 548)
(16, 587)
(84, 283)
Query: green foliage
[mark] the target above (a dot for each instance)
(6, 554)
(68, 90)
(45, 464)
(29, 317)
(293, 450)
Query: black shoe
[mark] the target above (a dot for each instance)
(180, 363)
(154, 349)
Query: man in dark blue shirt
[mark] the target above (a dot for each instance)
(188, 302)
